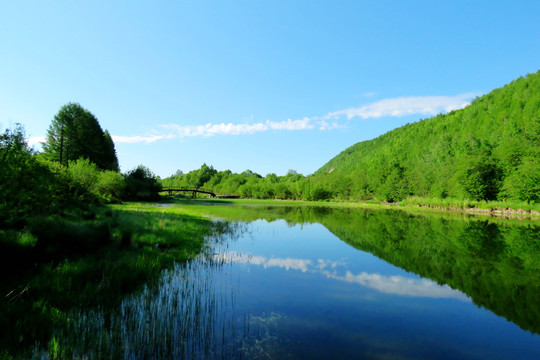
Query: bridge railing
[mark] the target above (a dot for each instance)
(171, 190)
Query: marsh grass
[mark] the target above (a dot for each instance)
(467, 204)
(58, 263)
(414, 204)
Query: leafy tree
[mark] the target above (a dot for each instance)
(524, 184)
(111, 160)
(481, 179)
(75, 133)
(142, 184)
(394, 187)
(203, 175)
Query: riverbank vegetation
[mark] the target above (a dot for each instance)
(62, 247)
(57, 263)
(488, 151)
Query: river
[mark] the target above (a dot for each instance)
(321, 283)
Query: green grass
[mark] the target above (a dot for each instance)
(199, 207)
(458, 204)
(61, 264)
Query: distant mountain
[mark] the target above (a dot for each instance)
(488, 150)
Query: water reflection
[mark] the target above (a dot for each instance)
(396, 284)
(183, 317)
(399, 285)
(282, 290)
(287, 264)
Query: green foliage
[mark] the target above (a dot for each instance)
(90, 183)
(110, 161)
(110, 186)
(524, 182)
(27, 186)
(203, 175)
(80, 264)
(83, 175)
(481, 178)
(142, 184)
(247, 184)
(490, 150)
(31, 186)
(75, 133)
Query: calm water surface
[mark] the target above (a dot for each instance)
(278, 290)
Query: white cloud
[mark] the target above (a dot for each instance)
(302, 124)
(237, 129)
(399, 285)
(287, 263)
(35, 140)
(394, 284)
(395, 107)
(325, 125)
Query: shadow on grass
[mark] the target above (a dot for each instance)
(57, 264)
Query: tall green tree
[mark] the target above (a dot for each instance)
(111, 161)
(75, 133)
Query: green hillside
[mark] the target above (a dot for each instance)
(486, 151)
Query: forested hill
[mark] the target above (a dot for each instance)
(488, 150)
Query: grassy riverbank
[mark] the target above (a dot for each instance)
(60, 264)
(414, 204)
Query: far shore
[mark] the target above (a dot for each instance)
(490, 209)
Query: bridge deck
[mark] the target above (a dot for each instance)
(174, 191)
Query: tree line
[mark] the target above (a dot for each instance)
(489, 150)
(77, 169)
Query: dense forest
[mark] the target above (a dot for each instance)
(488, 151)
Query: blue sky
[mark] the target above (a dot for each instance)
(261, 85)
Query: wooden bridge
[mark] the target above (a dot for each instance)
(175, 191)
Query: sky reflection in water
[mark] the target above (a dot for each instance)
(277, 291)
(395, 284)
(336, 301)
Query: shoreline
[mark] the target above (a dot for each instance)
(492, 212)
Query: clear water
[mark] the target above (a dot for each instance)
(276, 290)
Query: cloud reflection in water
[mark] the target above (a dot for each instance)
(393, 284)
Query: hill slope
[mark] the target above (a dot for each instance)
(489, 150)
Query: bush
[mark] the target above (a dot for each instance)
(111, 186)
(142, 184)
(26, 185)
(88, 182)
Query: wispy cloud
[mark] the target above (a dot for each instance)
(401, 106)
(237, 129)
(287, 263)
(394, 107)
(393, 284)
(175, 131)
(399, 285)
